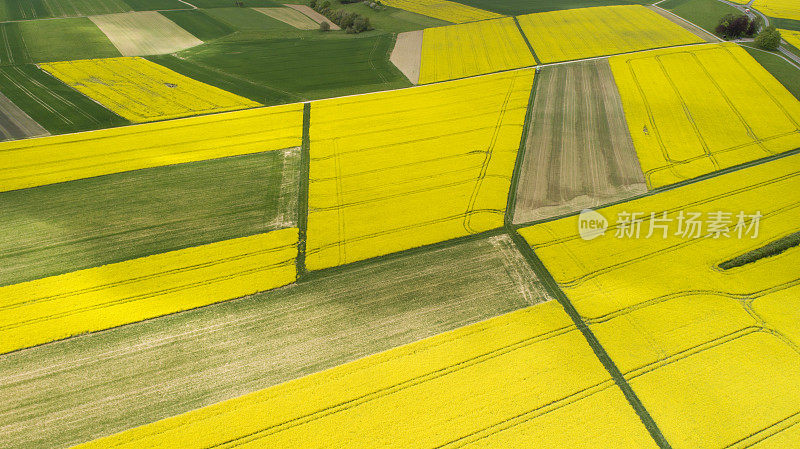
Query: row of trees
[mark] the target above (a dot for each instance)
(738, 26)
(351, 22)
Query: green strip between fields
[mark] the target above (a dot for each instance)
(525, 38)
(302, 209)
(511, 204)
(551, 285)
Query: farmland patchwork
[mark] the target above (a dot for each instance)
(443, 10)
(470, 49)
(142, 91)
(396, 170)
(691, 111)
(589, 32)
(712, 352)
(578, 152)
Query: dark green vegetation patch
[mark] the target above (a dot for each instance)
(59, 228)
(516, 7)
(704, 13)
(200, 24)
(392, 19)
(785, 24)
(771, 249)
(56, 106)
(307, 68)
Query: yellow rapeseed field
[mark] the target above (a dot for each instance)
(470, 49)
(99, 298)
(712, 351)
(525, 379)
(792, 37)
(396, 170)
(698, 109)
(587, 32)
(784, 9)
(443, 10)
(48, 160)
(143, 91)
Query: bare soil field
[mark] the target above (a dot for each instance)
(15, 123)
(144, 33)
(315, 16)
(578, 152)
(75, 390)
(407, 54)
(291, 17)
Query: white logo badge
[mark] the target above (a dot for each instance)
(591, 224)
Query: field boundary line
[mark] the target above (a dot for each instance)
(550, 284)
(527, 42)
(511, 203)
(302, 206)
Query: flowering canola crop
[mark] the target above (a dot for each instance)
(443, 10)
(57, 307)
(143, 91)
(396, 170)
(48, 160)
(469, 49)
(783, 9)
(712, 352)
(587, 32)
(699, 109)
(525, 379)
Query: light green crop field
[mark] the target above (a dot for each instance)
(152, 5)
(65, 39)
(703, 13)
(69, 226)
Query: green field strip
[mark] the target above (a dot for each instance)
(704, 13)
(199, 24)
(785, 24)
(785, 72)
(54, 105)
(230, 3)
(13, 50)
(512, 190)
(70, 226)
(65, 39)
(302, 209)
(169, 365)
(527, 42)
(224, 80)
(306, 68)
(246, 19)
(552, 286)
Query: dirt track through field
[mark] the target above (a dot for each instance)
(313, 15)
(15, 123)
(82, 388)
(291, 17)
(144, 33)
(689, 26)
(579, 152)
(407, 54)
